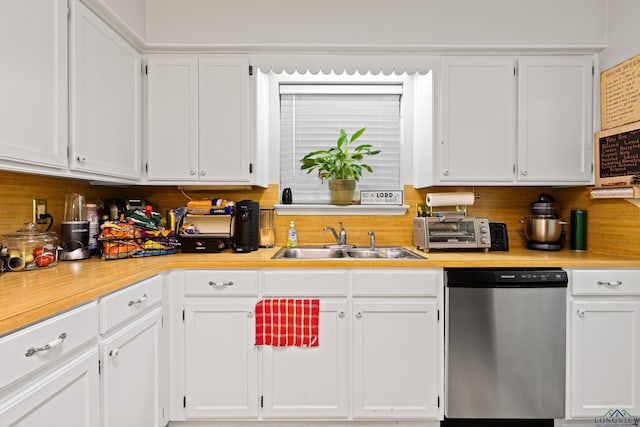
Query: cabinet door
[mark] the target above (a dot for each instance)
(131, 373)
(33, 105)
(68, 397)
(604, 357)
(105, 99)
(172, 118)
(224, 119)
(310, 382)
(555, 132)
(221, 361)
(395, 359)
(478, 120)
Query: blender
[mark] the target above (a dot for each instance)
(75, 229)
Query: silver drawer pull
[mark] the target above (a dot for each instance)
(616, 283)
(140, 300)
(220, 284)
(53, 344)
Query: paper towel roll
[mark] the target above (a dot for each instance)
(450, 199)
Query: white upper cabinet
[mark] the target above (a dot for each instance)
(555, 132)
(33, 82)
(172, 118)
(223, 125)
(198, 119)
(478, 120)
(105, 99)
(508, 120)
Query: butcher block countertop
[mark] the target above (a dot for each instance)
(30, 296)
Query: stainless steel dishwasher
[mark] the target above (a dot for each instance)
(505, 344)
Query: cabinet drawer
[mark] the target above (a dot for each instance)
(221, 282)
(305, 282)
(606, 282)
(25, 351)
(129, 302)
(397, 282)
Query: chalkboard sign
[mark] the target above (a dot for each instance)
(618, 155)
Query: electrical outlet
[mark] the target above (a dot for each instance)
(39, 208)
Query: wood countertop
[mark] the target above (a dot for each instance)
(30, 296)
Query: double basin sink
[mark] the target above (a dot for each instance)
(320, 252)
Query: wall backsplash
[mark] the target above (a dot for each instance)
(613, 225)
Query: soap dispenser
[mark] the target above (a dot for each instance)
(292, 236)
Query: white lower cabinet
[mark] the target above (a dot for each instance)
(310, 382)
(50, 367)
(397, 361)
(66, 397)
(131, 374)
(379, 354)
(604, 319)
(133, 356)
(221, 366)
(214, 337)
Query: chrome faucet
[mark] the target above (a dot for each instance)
(372, 240)
(340, 239)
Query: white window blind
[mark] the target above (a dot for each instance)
(311, 116)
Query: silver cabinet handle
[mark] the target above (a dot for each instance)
(81, 158)
(53, 344)
(581, 312)
(359, 314)
(524, 172)
(250, 313)
(192, 172)
(445, 172)
(114, 353)
(613, 283)
(203, 172)
(221, 284)
(140, 300)
(341, 313)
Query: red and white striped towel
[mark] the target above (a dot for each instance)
(287, 322)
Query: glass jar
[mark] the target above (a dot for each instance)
(28, 250)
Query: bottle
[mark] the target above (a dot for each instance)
(94, 227)
(292, 236)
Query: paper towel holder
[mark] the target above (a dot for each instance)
(459, 200)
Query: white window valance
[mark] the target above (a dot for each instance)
(350, 64)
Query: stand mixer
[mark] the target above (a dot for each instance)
(543, 230)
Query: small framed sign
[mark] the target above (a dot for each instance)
(393, 197)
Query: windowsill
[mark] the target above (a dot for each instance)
(378, 210)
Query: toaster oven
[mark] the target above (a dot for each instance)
(451, 233)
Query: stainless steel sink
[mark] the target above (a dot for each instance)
(314, 252)
(382, 253)
(310, 253)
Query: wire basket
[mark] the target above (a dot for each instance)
(122, 240)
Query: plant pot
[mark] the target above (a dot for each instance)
(342, 191)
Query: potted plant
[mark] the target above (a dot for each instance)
(342, 165)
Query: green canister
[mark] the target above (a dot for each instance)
(578, 230)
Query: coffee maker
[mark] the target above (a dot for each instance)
(247, 220)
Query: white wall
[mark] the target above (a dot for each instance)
(376, 23)
(132, 12)
(623, 32)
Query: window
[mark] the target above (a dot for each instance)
(311, 116)
(301, 112)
